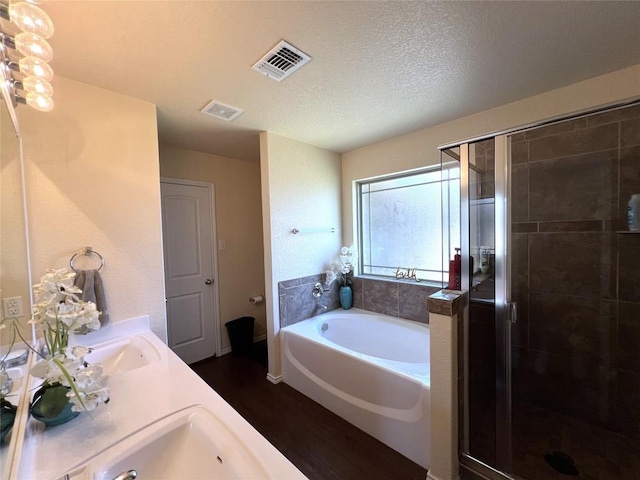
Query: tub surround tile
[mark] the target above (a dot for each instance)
(406, 300)
(412, 301)
(358, 301)
(282, 304)
(296, 302)
(446, 302)
(380, 297)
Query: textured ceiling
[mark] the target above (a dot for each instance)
(378, 69)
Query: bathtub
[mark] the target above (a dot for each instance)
(370, 369)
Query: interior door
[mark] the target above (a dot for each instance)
(189, 237)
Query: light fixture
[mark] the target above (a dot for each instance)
(33, 67)
(29, 18)
(30, 44)
(37, 85)
(24, 56)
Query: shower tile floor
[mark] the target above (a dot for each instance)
(598, 453)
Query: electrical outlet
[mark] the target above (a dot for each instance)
(12, 307)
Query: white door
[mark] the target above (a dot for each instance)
(191, 289)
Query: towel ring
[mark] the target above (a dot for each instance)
(88, 251)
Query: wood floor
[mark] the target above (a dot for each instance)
(319, 443)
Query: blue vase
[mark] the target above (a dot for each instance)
(346, 297)
(64, 416)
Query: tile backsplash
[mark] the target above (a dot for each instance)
(403, 299)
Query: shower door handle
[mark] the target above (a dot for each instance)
(513, 312)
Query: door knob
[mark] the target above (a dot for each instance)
(208, 281)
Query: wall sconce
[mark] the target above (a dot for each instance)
(24, 56)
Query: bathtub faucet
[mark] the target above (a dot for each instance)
(321, 307)
(318, 290)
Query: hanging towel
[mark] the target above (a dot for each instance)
(90, 282)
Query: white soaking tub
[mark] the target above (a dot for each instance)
(370, 369)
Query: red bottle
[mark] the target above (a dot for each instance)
(457, 260)
(455, 269)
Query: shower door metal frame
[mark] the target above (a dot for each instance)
(503, 309)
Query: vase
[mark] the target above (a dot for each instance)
(7, 418)
(51, 406)
(346, 297)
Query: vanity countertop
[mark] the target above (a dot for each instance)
(137, 398)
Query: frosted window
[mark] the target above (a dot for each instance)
(401, 223)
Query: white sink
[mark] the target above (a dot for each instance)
(124, 354)
(15, 374)
(189, 444)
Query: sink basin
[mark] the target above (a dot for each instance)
(190, 443)
(124, 354)
(15, 374)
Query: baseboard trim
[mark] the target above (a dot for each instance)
(433, 477)
(259, 338)
(275, 379)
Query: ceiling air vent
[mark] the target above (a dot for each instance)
(281, 61)
(222, 111)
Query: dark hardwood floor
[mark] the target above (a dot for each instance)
(319, 443)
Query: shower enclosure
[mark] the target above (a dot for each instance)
(550, 370)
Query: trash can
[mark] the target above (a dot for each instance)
(240, 333)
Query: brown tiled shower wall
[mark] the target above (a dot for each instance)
(406, 300)
(577, 270)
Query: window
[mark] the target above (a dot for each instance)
(401, 222)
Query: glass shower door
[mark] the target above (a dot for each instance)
(550, 369)
(486, 435)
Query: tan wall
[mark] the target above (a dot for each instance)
(92, 174)
(238, 214)
(420, 148)
(14, 280)
(301, 189)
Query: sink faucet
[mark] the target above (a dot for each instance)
(129, 475)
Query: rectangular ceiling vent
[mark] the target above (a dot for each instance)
(281, 61)
(222, 111)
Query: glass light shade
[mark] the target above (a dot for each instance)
(31, 44)
(29, 18)
(34, 67)
(37, 85)
(40, 102)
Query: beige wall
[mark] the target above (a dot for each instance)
(92, 174)
(419, 149)
(300, 189)
(14, 278)
(240, 268)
